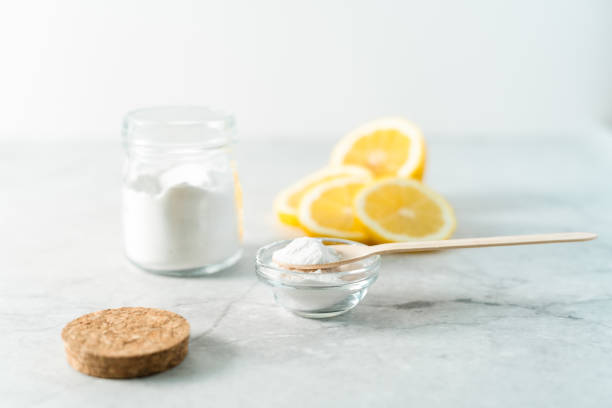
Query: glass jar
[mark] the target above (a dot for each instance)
(181, 197)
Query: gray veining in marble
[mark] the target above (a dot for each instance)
(497, 327)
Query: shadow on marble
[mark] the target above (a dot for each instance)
(207, 357)
(414, 313)
(244, 266)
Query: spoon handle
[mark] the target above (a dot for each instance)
(482, 242)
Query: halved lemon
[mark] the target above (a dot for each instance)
(398, 209)
(327, 210)
(288, 200)
(389, 147)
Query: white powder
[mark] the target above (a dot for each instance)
(183, 218)
(305, 251)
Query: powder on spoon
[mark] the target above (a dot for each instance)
(305, 251)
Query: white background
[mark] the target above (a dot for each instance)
(70, 69)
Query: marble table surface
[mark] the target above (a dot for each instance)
(495, 327)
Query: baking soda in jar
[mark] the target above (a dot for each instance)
(181, 209)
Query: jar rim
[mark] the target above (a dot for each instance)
(178, 126)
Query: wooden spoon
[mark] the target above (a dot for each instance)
(352, 253)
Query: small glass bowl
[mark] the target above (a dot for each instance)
(320, 294)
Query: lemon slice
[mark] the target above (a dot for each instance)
(288, 200)
(397, 209)
(327, 210)
(389, 147)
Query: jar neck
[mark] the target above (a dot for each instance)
(174, 152)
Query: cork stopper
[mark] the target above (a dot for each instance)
(126, 342)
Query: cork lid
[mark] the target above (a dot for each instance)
(126, 342)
